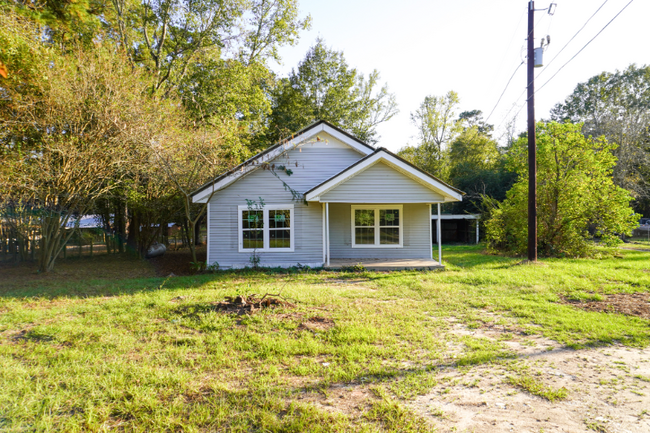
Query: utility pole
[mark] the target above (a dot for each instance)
(532, 145)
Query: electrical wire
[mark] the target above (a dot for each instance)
(512, 38)
(517, 68)
(572, 38)
(571, 59)
(504, 91)
(585, 46)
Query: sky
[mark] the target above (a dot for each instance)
(429, 47)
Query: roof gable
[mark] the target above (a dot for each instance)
(299, 139)
(440, 191)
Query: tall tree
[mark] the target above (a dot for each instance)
(437, 125)
(169, 36)
(617, 106)
(325, 87)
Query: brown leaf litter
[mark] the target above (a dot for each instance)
(248, 304)
(631, 304)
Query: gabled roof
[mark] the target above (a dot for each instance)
(220, 182)
(383, 155)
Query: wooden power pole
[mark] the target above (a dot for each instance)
(532, 145)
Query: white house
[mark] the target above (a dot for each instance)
(350, 203)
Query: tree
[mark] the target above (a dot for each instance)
(169, 36)
(189, 157)
(474, 118)
(324, 87)
(437, 126)
(476, 167)
(71, 137)
(617, 106)
(576, 195)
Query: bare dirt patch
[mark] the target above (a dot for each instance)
(317, 323)
(631, 304)
(608, 389)
(240, 305)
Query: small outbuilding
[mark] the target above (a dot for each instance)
(323, 198)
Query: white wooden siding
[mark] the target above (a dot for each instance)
(417, 240)
(317, 161)
(381, 184)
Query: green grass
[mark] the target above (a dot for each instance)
(538, 388)
(104, 345)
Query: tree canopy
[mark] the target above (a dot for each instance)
(325, 87)
(617, 106)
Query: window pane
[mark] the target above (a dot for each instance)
(279, 219)
(279, 239)
(389, 236)
(253, 239)
(364, 217)
(252, 219)
(364, 236)
(389, 217)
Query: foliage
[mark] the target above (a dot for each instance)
(169, 37)
(207, 56)
(576, 196)
(617, 105)
(324, 87)
(189, 157)
(437, 126)
(71, 127)
(476, 167)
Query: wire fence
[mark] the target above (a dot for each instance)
(20, 247)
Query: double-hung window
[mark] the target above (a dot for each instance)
(267, 229)
(377, 226)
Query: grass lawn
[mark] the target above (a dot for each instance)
(107, 346)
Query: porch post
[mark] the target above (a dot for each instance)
(324, 238)
(327, 230)
(439, 230)
(430, 232)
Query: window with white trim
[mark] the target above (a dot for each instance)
(377, 226)
(267, 229)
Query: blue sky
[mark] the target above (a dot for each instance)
(472, 47)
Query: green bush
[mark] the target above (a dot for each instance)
(576, 196)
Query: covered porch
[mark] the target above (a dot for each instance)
(410, 249)
(377, 213)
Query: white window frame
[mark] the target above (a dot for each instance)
(376, 208)
(266, 229)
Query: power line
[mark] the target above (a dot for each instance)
(572, 38)
(504, 91)
(585, 46)
(569, 61)
(512, 38)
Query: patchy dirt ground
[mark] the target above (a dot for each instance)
(608, 389)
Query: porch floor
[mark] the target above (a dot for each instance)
(386, 264)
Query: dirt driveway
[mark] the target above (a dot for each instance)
(608, 390)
